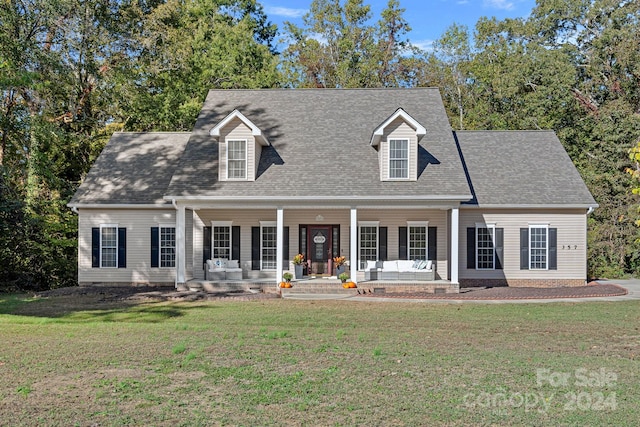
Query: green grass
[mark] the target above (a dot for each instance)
(319, 363)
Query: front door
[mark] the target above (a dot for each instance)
(319, 249)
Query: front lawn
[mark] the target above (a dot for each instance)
(276, 362)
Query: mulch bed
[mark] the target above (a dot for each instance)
(593, 289)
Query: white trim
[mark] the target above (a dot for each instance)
(379, 131)
(159, 205)
(353, 244)
(255, 130)
(546, 257)
(160, 227)
(279, 244)
(492, 227)
(246, 159)
(117, 245)
(368, 223)
(407, 178)
(418, 224)
(221, 223)
(527, 206)
(181, 264)
(264, 224)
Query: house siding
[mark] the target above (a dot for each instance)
(138, 224)
(571, 263)
(399, 129)
(294, 217)
(236, 129)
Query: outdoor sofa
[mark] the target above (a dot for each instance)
(400, 270)
(223, 269)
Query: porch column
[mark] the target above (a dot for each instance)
(279, 244)
(353, 245)
(180, 246)
(455, 236)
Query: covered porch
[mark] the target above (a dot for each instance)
(265, 239)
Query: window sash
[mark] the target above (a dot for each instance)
(167, 247)
(538, 247)
(236, 159)
(417, 242)
(398, 158)
(368, 242)
(268, 247)
(221, 242)
(485, 248)
(108, 247)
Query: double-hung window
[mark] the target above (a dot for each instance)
(485, 247)
(237, 159)
(368, 242)
(538, 247)
(417, 240)
(221, 239)
(167, 246)
(108, 246)
(268, 245)
(398, 159)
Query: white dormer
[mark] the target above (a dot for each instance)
(240, 144)
(396, 140)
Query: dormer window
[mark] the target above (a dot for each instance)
(237, 159)
(240, 144)
(398, 159)
(396, 140)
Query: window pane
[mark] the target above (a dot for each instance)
(222, 242)
(398, 158)
(108, 246)
(269, 251)
(538, 248)
(417, 243)
(485, 249)
(368, 245)
(236, 159)
(167, 247)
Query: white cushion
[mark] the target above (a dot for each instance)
(405, 265)
(389, 266)
(210, 265)
(232, 263)
(428, 265)
(371, 265)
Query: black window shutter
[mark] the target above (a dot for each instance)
(553, 249)
(524, 249)
(206, 245)
(95, 247)
(235, 242)
(155, 247)
(499, 248)
(302, 239)
(122, 248)
(285, 247)
(432, 243)
(402, 243)
(255, 248)
(471, 248)
(382, 243)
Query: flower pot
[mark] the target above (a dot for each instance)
(340, 269)
(298, 271)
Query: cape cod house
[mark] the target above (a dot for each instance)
(369, 174)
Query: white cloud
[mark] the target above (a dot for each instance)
(426, 45)
(287, 12)
(499, 4)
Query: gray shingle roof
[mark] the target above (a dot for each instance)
(133, 168)
(524, 168)
(321, 145)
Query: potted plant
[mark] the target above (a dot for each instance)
(287, 280)
(298, 260)
(339, 262)
(343, 277)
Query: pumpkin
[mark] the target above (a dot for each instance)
(285, 284)
(351, 285)
(345, 285)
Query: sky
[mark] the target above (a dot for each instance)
(428, 19)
